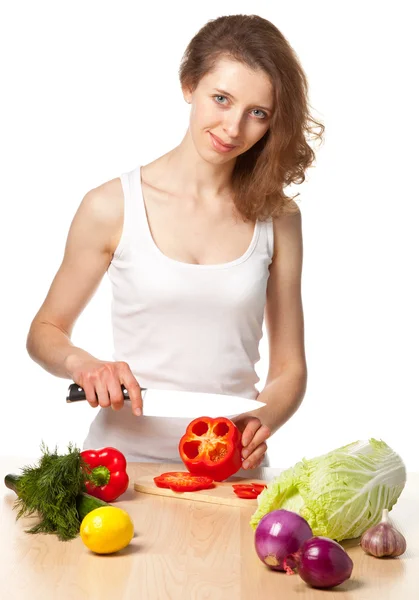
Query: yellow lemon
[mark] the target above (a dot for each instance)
(106, 529)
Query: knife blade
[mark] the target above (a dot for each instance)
(182, 404)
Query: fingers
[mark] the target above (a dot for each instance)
(116, 397)
(254, 449)
(250, 430)
(102, 383)
(134, 390)
(102, 393)
(89, 391)
(256, 457)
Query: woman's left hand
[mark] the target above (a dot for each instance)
(254, 434)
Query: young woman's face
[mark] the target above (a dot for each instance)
(233, 104)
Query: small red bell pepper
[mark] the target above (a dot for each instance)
(106, 477)
(211, 447)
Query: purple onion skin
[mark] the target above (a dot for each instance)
(322, 562)
(280, 533)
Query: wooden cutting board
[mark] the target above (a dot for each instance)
(221, 493)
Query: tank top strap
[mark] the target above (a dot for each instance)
(136, 208)
(134, 221)
(269, 236)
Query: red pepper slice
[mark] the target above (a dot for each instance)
(106, 475)
(259, 487)
(255, 488)
(211, 447)
(183, 481)
(245, 486)
(242, 493)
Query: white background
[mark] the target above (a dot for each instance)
(90, 90)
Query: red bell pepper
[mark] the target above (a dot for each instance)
(106, 477)
(211, 447)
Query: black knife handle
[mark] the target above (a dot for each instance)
(76, 393)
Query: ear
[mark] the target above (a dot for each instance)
(187, 94)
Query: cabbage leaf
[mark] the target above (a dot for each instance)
(341, 493)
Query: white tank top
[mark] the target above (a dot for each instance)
(181, 326)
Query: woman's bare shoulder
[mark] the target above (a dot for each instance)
(107, 199)
(102, 211)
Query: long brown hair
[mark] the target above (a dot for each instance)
(283, 154)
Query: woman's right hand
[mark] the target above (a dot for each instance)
(102, 381)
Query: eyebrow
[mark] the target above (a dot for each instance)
(224, 93)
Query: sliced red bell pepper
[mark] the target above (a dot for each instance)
(106, 477)
(248, 490)
(259, 487)
(211, 447)
(249, 493)
(183, 481)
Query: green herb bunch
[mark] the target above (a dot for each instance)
(51, 489)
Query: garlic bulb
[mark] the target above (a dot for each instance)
(383, 539)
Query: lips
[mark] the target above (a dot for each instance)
(220, 144)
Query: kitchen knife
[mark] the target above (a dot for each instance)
(174, 403)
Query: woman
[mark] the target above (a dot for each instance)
(197, 245)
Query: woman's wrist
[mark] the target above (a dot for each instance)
(74, 360)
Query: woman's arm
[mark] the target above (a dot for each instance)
(287, 376)
(93, 236)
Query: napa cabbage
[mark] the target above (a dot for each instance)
(341, 493)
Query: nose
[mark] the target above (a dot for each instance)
(232, 125)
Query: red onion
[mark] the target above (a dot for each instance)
(320, 562)
(278, 534)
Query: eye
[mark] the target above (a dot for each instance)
(263, 113)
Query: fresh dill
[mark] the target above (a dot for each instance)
(50, 489)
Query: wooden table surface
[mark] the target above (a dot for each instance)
(185, 550)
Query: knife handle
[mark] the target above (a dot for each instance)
(76, 393)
